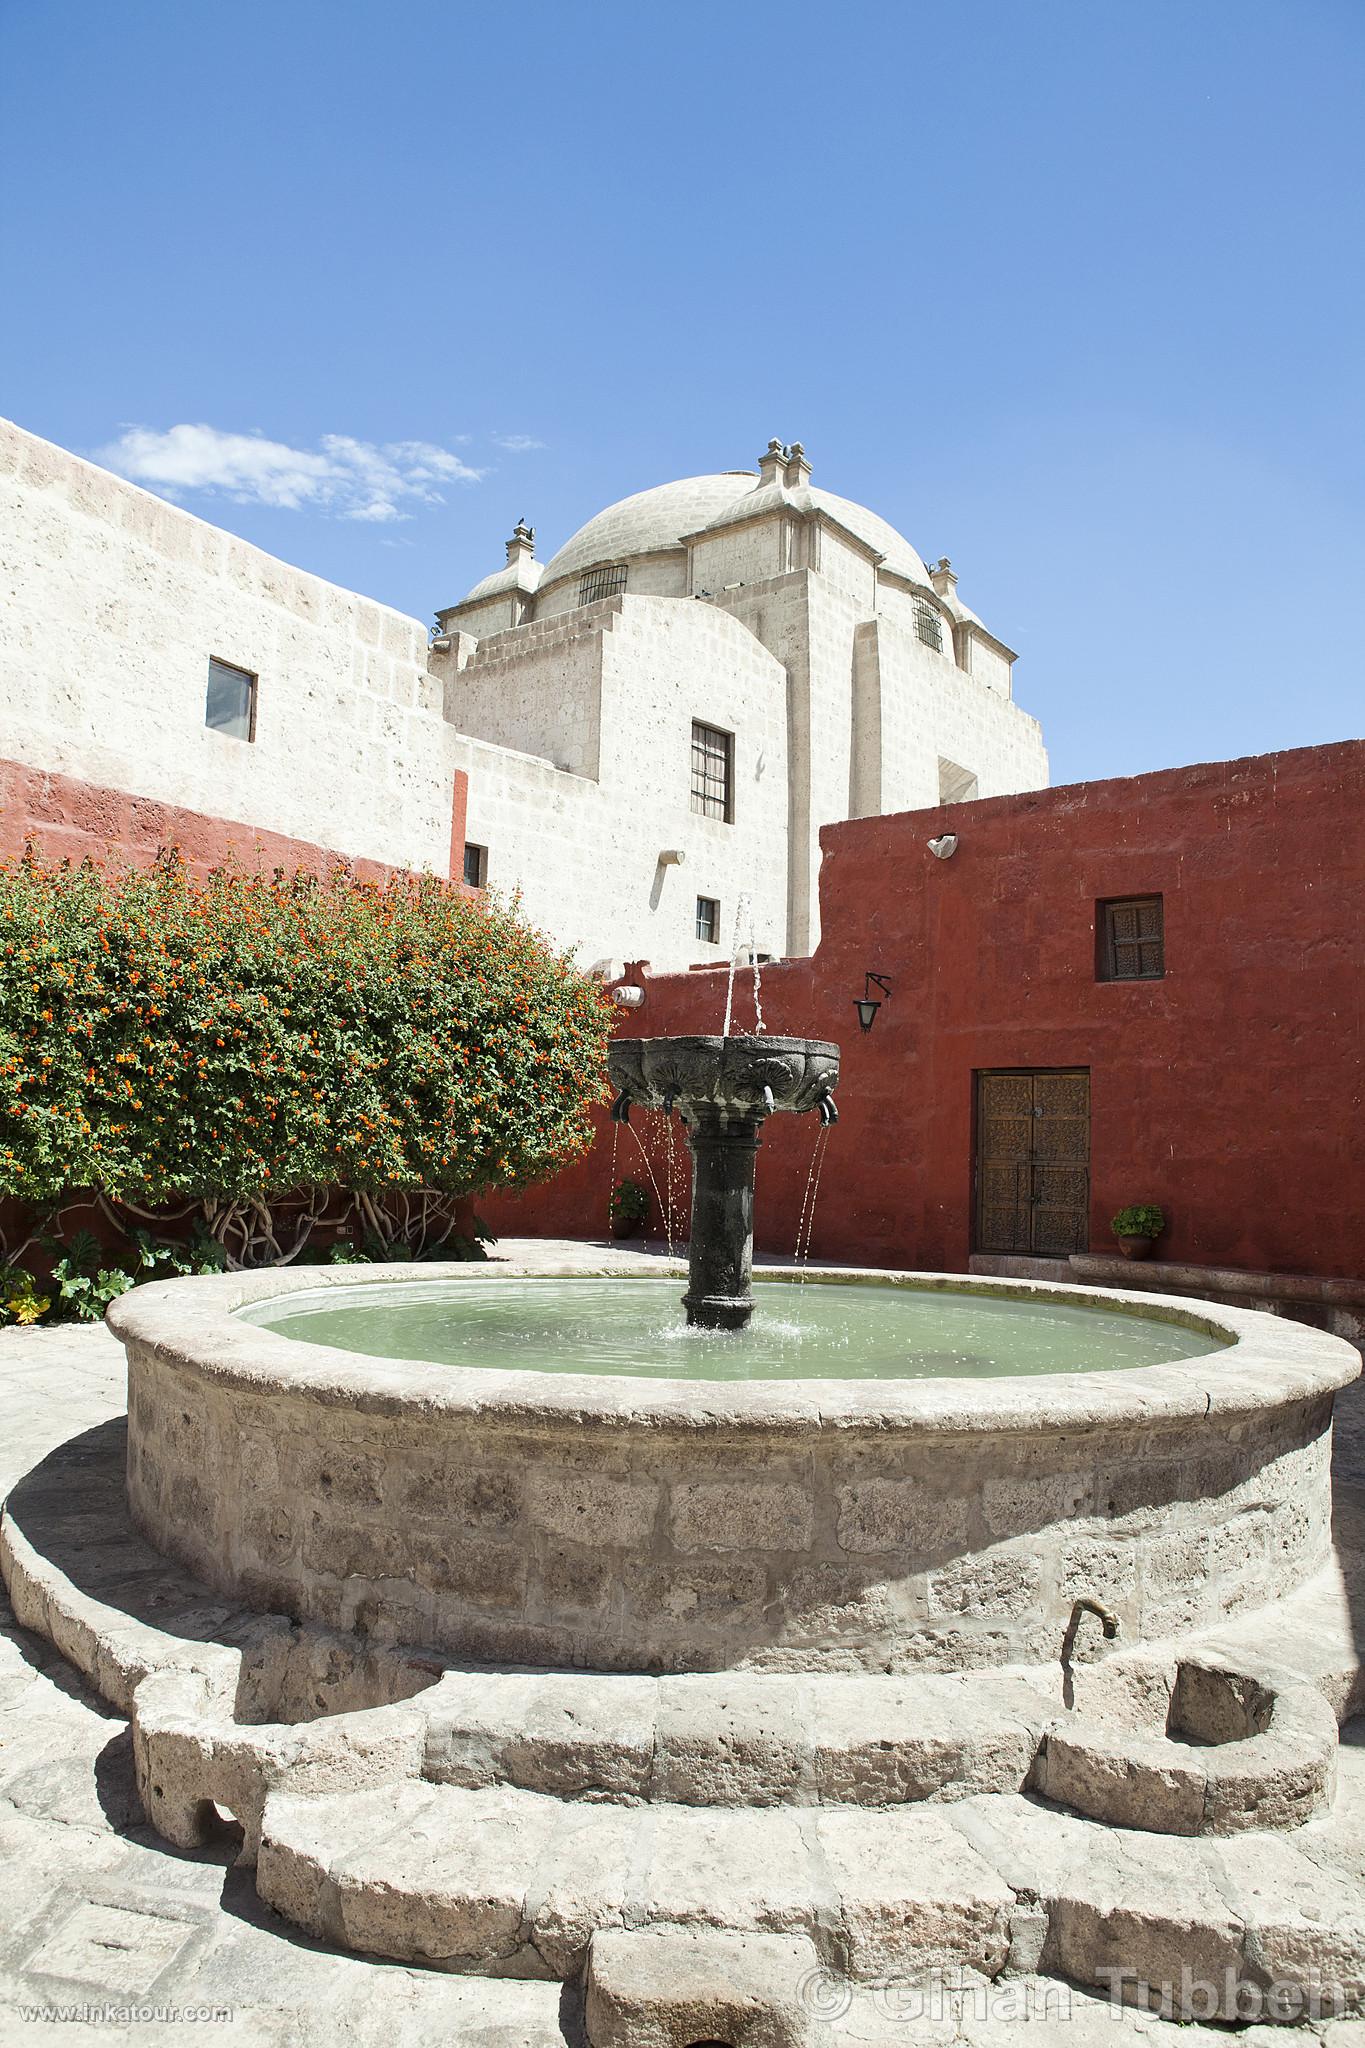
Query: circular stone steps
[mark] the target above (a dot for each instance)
(516, 1883)
(737, 1740)
(513, 1880)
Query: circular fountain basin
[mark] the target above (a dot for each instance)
(631, 1328)
(505, 1508)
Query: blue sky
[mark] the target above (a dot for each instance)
(1072, 294)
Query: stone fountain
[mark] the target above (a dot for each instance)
(724, 1089)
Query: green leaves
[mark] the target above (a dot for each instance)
(165, 1040)
(1140, 1219)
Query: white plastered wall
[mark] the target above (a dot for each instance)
(584, 851)
(111, 604)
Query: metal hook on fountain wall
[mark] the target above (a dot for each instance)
(1108, 1621)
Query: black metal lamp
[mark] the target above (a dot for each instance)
(867, 1005)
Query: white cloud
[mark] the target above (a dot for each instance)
(517, 444)
(347, 478)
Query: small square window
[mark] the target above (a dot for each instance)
(1130, 939)
(475, 866)
(708, 919)
(713, 753)
(230, 705)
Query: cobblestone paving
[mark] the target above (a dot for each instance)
(98, 1916)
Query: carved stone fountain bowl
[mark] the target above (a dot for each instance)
(724, 1073)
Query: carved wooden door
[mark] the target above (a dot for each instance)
(1033, 1161)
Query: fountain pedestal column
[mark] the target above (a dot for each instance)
(721, 1254)
(723, 1089)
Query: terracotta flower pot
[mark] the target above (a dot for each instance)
(1136, 1247)
(626, 1226)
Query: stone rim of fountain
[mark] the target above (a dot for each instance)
(1268, 1362)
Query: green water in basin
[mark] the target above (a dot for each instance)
(635, 1328)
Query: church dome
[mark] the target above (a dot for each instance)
(878, 533)
(649, 523)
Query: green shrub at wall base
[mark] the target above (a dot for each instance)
(163, 1040)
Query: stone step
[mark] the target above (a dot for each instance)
(517, 1883)
(738, 1739)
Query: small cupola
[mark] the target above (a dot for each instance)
(522, 546)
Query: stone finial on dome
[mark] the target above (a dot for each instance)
(772, 466)
(797, 474)
(783, 466)
(522, 545)
(942, 577)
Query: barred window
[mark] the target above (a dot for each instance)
(230, 705)
(602, 583)
(708, 919)
(712, 761)
(1130, 939)
(475, 865)
(929, 626)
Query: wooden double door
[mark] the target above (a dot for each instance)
(1033, 1161)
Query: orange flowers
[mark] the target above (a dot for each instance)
(293, 1030)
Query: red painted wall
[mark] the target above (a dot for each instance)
(67, 818)
(1230, 1091)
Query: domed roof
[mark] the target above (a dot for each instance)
(649, 522)
(877, 532)
(897, 553)
(526, 575)
(653, 521)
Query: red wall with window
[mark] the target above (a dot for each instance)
(1229, 1090)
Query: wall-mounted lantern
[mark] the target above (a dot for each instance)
(867, 1005)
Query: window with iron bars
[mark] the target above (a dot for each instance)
(602, 583)
(708, 919)
(712, 759)
(929, 626)
(1130, 939)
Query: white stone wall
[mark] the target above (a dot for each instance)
(738, 554)
(930, 709)
(111, 604)
(847, 571)
(987, 666)
(584, 852)
(538, 689)
(669, 662)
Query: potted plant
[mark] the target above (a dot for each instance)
(1137, 1229)
(629, 1208)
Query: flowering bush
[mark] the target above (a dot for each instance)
(164, 1041)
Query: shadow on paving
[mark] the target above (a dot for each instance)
(72, 1509)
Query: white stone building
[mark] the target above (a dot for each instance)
(880, 691)
(654, 724)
